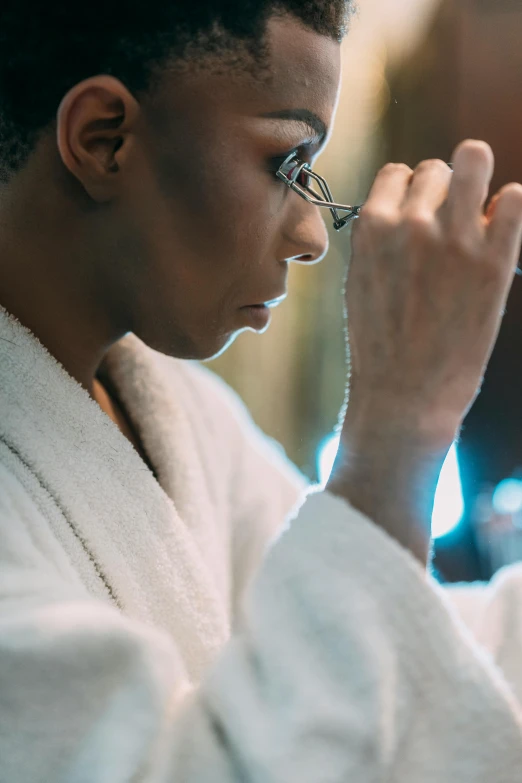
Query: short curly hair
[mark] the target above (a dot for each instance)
(47, 47)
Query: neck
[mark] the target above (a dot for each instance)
(49, 281)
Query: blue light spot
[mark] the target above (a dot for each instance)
(326, 457)
(449, 501)
(507, 497)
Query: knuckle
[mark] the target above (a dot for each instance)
(373, 214)
(374, 222)
(420, 226)
(461, 244)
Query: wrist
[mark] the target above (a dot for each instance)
(388, 469)
(390, 461)
(407, 425)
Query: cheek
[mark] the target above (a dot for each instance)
(241, 218)
(255, 209)
(220, 221)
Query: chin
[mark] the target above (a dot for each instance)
(204, 348)
(219, 347)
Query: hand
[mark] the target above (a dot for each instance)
(427, 286)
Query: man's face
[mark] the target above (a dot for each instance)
(208, 229)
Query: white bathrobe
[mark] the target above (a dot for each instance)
(178, 631)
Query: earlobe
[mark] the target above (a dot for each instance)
(95, 134)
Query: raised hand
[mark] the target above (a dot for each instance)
(427, 286)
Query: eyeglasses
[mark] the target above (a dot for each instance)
(299, 175)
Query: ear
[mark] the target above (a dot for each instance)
(96, 125)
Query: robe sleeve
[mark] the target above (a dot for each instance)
(347, 664)
(267, 487)
(493, 613)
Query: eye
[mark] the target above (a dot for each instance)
(303, 178)
(296, 161)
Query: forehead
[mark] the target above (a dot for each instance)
(305, 67)
(303, 72)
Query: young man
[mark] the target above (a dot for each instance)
(142, 224)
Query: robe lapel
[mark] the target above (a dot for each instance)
(139, 540)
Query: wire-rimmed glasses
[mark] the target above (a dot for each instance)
(298, 175)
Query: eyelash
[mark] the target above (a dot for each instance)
(275, 163)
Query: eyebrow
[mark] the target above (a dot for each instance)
(301, 115)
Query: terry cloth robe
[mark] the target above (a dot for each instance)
(221, 623)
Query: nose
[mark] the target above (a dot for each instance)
(305, 238)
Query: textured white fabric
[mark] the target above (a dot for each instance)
(145, 636)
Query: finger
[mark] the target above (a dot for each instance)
(429, 187)
(473, 165)
(504, 229)
(389, 189)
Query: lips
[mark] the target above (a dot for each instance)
(271, 302)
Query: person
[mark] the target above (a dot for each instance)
(176, 603)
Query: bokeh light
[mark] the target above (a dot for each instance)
(326, 456)
(507, 497)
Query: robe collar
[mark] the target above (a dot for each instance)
(137, 532)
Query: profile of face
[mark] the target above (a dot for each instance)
(188, 223)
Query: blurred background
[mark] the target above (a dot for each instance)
(419, 76)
